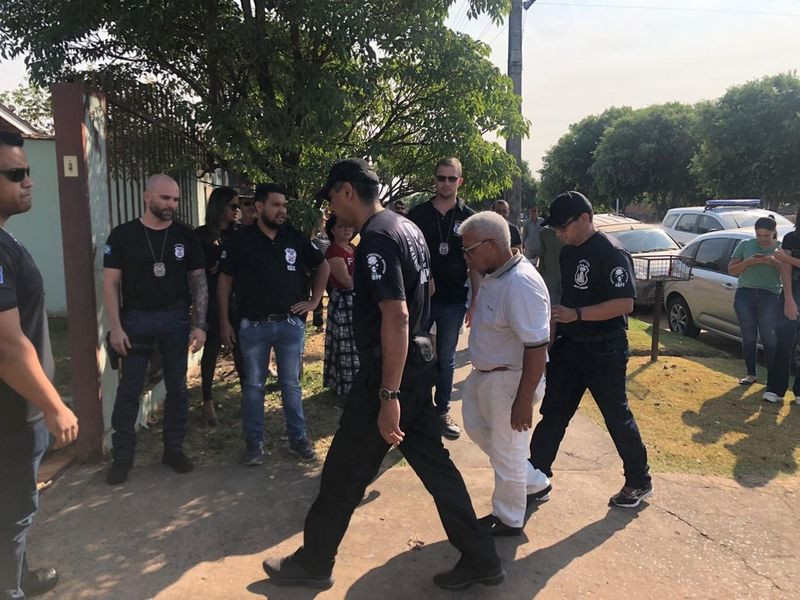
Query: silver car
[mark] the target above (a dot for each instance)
(705, 300)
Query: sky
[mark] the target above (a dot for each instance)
(583, 56)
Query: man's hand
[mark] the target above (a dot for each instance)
(790, 309)
(226, 333)
(303, 307)
(562, 314)
(63, 424)
(120, 342)
(389, 422)
(470, 314)
(197, 339)
(521, 415)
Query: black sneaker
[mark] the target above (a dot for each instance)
(450, 430)
(462, 576)
(285, 571)
(253, 455)
(303, 449)
(630, 497)
(542, 495)
(38, 582)
(118, 472)
(495, 527)
(179, 462)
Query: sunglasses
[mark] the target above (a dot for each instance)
(233, 206)
(469, 249)
(443, 178)
(564, 226)
(243, 203)
(17, 175)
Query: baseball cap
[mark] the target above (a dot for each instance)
(349, 169)
(567, 206)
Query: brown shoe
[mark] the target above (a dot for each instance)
(210, 413)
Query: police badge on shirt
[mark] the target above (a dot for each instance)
(291, 259)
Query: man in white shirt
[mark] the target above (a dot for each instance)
(508, 348)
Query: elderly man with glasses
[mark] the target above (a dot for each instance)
(508, 348)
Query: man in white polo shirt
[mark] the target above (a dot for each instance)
(508, 347)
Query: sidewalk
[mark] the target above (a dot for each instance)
(204, 535)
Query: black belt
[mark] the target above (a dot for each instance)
(603, 337)
(271, 318)
(493, 370)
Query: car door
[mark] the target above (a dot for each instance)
(712, 288)
(685, 228)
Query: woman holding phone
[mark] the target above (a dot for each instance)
(757, 301)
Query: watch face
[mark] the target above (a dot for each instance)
(384, 394)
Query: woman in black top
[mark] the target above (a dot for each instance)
(222, 214)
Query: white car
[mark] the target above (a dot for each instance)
(686, 223)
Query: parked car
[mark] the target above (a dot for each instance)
(686, 223)
(642, 240)
(705, 300)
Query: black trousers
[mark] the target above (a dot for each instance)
(355, 457)
(208, 363)
(601, 367)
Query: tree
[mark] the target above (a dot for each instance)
(646, 155)
(567, 165)
(32, 103)
(751, 141)
(283, 88)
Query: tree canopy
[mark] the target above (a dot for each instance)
(283, 88)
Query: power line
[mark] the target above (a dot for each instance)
(462, 18)
(486, 30)
(672, 9)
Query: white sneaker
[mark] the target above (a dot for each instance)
(773, 397)
(796, 401)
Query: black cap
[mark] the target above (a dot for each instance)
(566, 207)
(349, 169)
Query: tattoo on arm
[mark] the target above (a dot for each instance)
(199, 287)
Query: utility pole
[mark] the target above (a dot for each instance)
(514, 144)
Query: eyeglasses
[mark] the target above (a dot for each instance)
(443, 178)
(467, 250)
(17, 175)
(564, 226)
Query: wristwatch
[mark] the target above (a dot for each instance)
(385, 394)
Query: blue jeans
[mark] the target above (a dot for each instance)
(20, 455)
(780, 371)
(257, 338)
(169, 328)
(448, 319)
(757, 311)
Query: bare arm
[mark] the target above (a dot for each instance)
(394, 350)
(224, 287)
(112, 279)
(789, 303)
(339, 271)
(616, 307)
(21, 370)
(318, 287)
(475, 280)
(533, 365)
(199, 288)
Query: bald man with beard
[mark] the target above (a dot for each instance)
(153, 272)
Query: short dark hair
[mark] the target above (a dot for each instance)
(265, 189)
(767, 223)
(10, 138)
(367, 192)
(451, 161)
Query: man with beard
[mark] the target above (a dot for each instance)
(155, 266)
(29, 404)
(389, 403)
(264, 264)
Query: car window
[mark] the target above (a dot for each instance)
(686, 223)
(645, 240)
(669, 220)
(710, 254)
(748, 219)
(707, 224)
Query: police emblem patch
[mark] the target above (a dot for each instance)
(582, 274)
(376, 265)
(180, 251)
(619, 277)
(291, 256)
(107, 250)
(2, 280)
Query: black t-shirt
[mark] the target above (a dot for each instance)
(791, 243)
(21, 287)
(135, 249)
(268, 274)
(449, 270)
(392, 263)
(600, 269)
(516, 238)
(212, 252)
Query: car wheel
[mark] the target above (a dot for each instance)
(680, 317)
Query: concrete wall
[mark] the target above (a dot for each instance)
(39, 229)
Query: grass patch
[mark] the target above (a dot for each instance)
(695, 417)
(640, 336)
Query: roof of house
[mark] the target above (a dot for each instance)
(11, 121)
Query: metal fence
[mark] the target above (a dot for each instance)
(148, 133)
